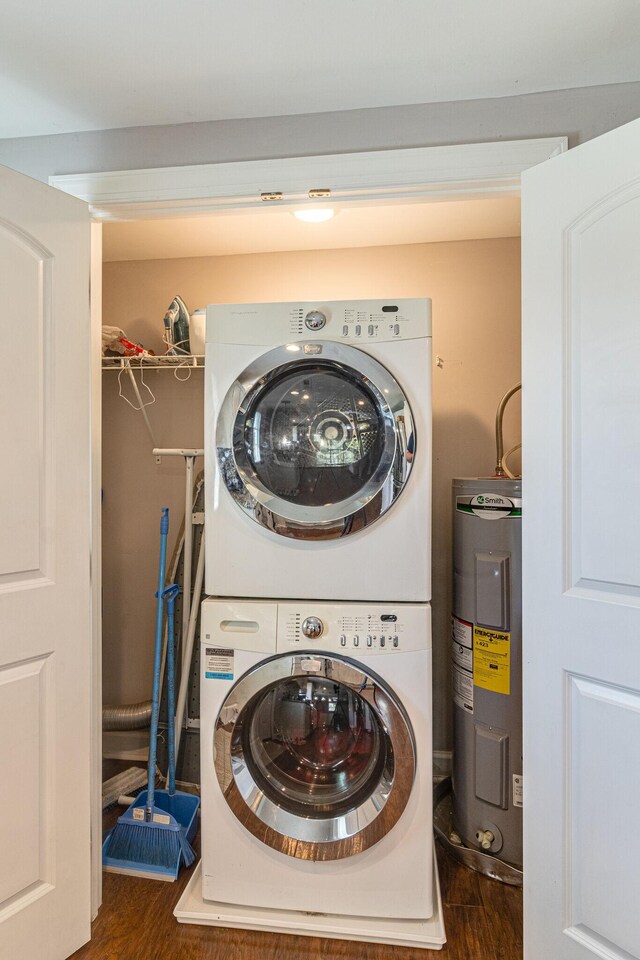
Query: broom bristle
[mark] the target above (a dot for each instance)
(188, 853)
(140, 843)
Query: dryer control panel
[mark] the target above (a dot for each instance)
(349, 321)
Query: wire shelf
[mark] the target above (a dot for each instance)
(153, 363)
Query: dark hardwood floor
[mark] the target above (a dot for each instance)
(483, 921)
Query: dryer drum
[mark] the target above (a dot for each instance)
(316, 446)
(319, 761)
(312, 436)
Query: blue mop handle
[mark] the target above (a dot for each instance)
(155, 697)
(170, 593)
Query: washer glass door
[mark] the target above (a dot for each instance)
(317, 446)
(314, 756)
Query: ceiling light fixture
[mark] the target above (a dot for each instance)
(315, 214)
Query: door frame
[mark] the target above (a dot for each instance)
(95, 288)
(432, 174)
(461, 171)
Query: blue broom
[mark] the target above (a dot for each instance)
(148, 839)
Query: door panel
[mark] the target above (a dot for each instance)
(24, 693)
(599, 851)
(25, 281)
(45, 625)
(604, 333)
(581, 565)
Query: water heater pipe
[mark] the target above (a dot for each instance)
(500, 470)
(505, 460)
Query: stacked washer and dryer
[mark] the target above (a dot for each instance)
(316, 639)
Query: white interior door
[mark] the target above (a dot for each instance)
(45, 609)
(581, 543)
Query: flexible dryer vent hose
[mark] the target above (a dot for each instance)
(132, 716)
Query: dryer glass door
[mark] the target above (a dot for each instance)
(314, 436)
(319, 755)
(315, 441)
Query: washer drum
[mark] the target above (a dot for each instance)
(486, 651)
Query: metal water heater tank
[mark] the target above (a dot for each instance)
(486, 647)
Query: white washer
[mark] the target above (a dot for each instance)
(318, 450)
(316, 757)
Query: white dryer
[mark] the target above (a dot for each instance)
(316, 757)
(318, 450)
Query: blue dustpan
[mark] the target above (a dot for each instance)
(181, 813)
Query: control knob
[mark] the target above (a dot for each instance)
(312, 627)
(315, 320)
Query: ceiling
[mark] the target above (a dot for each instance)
(75, 65)
(355, 225)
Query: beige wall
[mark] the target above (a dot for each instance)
(475, 288)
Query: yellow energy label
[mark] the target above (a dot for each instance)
(492, 659)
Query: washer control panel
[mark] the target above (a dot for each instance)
(357, 630)
(371, 640)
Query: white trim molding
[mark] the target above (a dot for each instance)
(465, 170)
(96, 568)
(124, 745)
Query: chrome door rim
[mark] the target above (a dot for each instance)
(305, 837)
(322, 522)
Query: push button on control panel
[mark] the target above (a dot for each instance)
(360, 634)
(358, 330)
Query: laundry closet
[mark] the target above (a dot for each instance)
(471, 275)
(472, 279)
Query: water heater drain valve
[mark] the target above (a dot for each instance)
(485, 838)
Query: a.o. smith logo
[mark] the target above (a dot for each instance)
(499, 502)
(490, 506)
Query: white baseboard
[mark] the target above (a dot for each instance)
(125, 745)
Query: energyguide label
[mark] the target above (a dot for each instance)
(492, 659)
